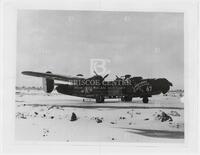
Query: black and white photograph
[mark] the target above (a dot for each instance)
(99, 76)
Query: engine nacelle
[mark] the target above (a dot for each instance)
(48, 84)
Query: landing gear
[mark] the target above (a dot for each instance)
(145, 100)
(99, 99)
(126, 98)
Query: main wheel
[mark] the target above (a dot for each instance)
(145, 100)
(99, 99)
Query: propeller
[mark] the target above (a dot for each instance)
(118, 78)
(101, 76)
(105, 76)
(95, 73)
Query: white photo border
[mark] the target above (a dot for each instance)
(8, 75)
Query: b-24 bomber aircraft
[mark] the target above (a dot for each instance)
(125, 87)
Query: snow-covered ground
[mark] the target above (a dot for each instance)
(42, 117)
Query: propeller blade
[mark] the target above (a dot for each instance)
(95, 72)
(105, 76)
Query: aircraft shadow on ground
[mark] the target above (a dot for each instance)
(157, 133)
(95, 106)
(117, 107)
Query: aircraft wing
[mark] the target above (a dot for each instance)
(52, 76)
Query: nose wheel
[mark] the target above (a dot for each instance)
(99, 99)
(145, 100)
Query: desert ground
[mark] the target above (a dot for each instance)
(48, 117)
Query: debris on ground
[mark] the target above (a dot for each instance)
(181, 94)
(174, 113)
(45, 132)
(73, 117)
(52, 117)
(99, 120)
(130, 113)
(164, 117)
(51, 107)
(177, 125)
(122, 118)
(112, 123)
(20, 115)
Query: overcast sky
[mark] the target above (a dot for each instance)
(137, 43)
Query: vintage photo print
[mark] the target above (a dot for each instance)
(99, 76)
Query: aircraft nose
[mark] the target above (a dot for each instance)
(170, 83)
(166, 86)
(166, 82)
(165, 89)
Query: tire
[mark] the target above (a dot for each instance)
(145, 100)
(122, 99)
(99, 99)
